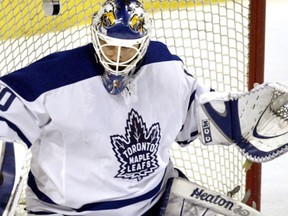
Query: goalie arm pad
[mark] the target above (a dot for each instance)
(256, 121)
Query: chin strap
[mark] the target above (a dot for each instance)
(114, 84)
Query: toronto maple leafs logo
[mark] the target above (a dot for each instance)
(137, 150)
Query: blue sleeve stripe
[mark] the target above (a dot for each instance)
(40, 213)
(37, 192)
(18, 131)
(8, 171)
(192, 97)
(186, 72)
(193, 135)
(99, 205)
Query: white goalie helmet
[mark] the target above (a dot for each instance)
(120, 36)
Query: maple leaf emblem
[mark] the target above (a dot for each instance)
(137, 150)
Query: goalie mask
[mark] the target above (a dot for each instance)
(120, 36)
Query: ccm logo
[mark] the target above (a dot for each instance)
(206, 131)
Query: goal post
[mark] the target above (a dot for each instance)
(221, 43)
(256, 75)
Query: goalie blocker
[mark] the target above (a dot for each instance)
(257, 121)
(186, 198)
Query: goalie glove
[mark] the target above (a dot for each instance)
(257, 121)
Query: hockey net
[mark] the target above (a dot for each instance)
(219, 41)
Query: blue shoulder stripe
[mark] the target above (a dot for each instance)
(158, 52)
(54, 71)
(67, 67)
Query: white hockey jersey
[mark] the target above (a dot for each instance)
(95, 153)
